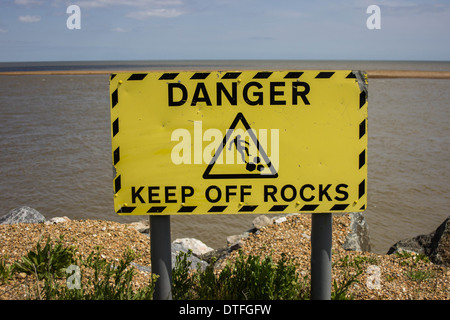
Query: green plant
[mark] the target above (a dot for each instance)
(114, 282)
(182, 280)
(247, 278)
(351, 270)
(5, 270)
(413, 261)
(390, 278)
(411, 257)
(253, 279)
(107, 281)
(420, 275)
(48, 261)
(369, 260)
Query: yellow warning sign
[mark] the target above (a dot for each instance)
(239, 142)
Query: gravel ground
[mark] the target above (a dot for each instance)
(403, 278)
(113, 238)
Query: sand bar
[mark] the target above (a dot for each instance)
(371, 73)
(408, 74)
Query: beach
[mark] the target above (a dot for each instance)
(401, 277)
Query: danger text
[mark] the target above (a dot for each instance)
(252, 93)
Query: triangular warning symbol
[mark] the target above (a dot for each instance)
(254, 167)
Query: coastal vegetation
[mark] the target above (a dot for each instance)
(105, 260)
(246, 278)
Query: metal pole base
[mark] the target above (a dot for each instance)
(161, 256)
(321, 236)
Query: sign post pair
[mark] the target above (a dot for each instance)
(236, 142)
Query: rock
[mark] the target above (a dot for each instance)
(280, 220)
(306, 236)
(236, 246)
(22, 215)
(232, 240)
(196, 246)
(141, 267)
(217, 254)
(261, 221)
(57, 220)
(435, 245)
(142, 226)
(358, 237)
(177, 248)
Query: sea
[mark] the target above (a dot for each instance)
(55, 145)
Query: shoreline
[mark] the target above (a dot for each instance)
(374, 74)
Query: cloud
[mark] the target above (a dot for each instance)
(146, 8)
(119, 29)
(162, 13)
(129, 3)
(2, 30)
(27, 2)
(406, 7)
(29, 19)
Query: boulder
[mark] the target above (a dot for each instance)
(22, 215)
(261, 221)
(142, 226)
(358, 237)
(435, 245)
(57, 220)
(196, 246)
(235, 239)
(215, 255)
(177, 248)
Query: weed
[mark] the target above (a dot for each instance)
(247, 278)
(5, 270)
(412, 257)
(108, 282)
(48, 261)
(412, 261)
(340, 290)
(420, 275)
(182, 278)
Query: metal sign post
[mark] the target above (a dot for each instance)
(321, 236)
(161, 256)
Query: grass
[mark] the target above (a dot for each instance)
(412, 262)
(351, 270)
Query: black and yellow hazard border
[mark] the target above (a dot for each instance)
(357, 205)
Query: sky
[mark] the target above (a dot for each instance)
(37, 30)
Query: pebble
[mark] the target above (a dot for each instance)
(290, 237)
(280, 220)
